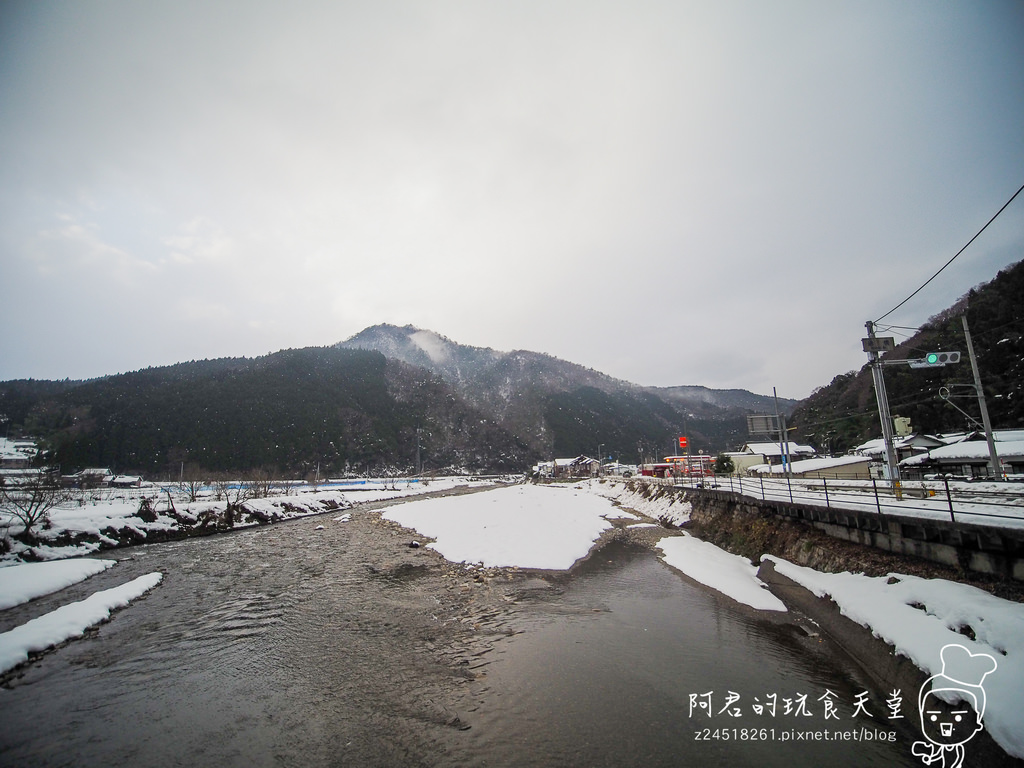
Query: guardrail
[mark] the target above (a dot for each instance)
(991, 503)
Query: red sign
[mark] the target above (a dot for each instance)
(682, 442)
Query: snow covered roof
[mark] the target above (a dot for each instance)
(17, 449)
(974, 449)
(811, 465)
(999, 435)
(775, 449)
(876, 447)
(566, 462)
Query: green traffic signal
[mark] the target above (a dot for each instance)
(932, 358)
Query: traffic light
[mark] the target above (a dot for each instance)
(936, 360)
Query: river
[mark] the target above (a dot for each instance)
(291, 645)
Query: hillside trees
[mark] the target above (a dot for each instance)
(344, 410)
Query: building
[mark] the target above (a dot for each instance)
(969, 457)
(17, 454)
(829, 468)
(905, 447)
(581, 466)
(93, 477)
(772, 452)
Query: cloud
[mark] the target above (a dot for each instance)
(505, 174)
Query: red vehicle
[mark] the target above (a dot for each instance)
(691, 466)
(655, 470)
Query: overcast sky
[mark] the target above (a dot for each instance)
(715, 193)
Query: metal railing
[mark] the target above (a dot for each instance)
(998, 504)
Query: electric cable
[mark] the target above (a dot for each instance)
(954, 257)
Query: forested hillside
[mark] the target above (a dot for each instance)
(347, 410)
(364, 406)
(844, 413)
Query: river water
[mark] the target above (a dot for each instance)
(293, 646)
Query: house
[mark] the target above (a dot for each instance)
(828, 468)
(126, 481)
(970, 457)
(741, 462)
(581, 466)
(905, 447)
(772, 452)
(93, 477)
(17, 454)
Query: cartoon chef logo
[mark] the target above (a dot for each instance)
(952, 704)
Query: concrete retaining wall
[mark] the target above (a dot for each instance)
(982, 549)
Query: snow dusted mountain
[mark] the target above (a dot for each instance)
(726, 399)
(372, 403)
(455, 363)
(543, 399)
(517, 388)
(483, 373)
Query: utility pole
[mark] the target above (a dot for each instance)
(873, 346)
(783, 435)
(419, 465)
(992, 455)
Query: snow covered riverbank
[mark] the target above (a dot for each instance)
(916, 616)
(114, 518)
(553, 526)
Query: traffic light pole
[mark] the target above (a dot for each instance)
(992, 455)
(883, 409)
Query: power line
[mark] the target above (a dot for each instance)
(954, 257)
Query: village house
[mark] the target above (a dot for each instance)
(905, 447)
(829, 468)
(581, 466)
(969, 457)
(771, 453)
(17, 454)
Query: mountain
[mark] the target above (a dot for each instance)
(368, 404)
(704, 400)
(561, 408)
(344, 410)
(844, 414)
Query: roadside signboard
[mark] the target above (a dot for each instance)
(879, 344)
(762, 425)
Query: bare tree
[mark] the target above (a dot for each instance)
(313, 480)
(261, 483)
(31, 500)
(193, 480)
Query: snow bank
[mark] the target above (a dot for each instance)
(732, 575)
(21, 583)
(654, 502)
(919, 616)
(548, 527)
(69, 621)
